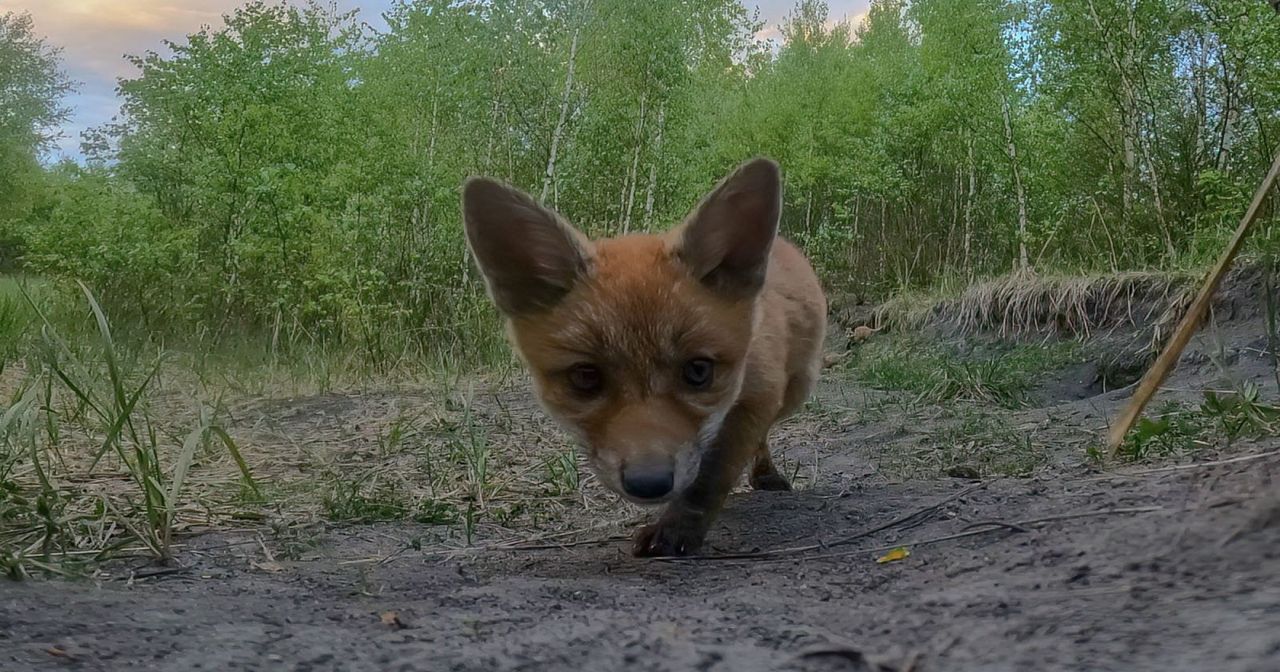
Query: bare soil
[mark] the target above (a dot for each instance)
(1173, 564)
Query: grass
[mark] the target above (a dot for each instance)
(370, 498)
(97, 393)
(981, 444)
(1019, 304)
(1003, 376)
(1176, 429)
(113, 446)
(18, 319)
(114, 443)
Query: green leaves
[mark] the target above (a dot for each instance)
(290, 170)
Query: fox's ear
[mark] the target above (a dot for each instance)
(725, 242)
(529, 256)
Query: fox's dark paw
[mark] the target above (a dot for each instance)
(666, 539)
(771, 481)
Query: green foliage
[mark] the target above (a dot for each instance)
(1175, 429)
(939, 374)
(1241, 413)
(370, 498)
(292, 176)
(31, 89)
(560, 473)
(15, 318)
(99, 391)
(1170, 430)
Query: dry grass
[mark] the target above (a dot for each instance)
(1022, 304)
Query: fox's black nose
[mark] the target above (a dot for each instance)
(647, 482)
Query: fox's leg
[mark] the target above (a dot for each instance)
(764, 475)
(684, 524)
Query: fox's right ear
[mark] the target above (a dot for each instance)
(529, 256)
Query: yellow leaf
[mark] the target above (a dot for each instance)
(895, 555)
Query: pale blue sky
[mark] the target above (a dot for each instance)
(95, 34)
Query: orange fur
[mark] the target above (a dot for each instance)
(638, 311)
(862, 332)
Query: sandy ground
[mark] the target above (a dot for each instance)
(1171, 565)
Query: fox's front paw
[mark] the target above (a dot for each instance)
(667, 539)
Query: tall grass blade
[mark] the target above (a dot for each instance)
(235, 455)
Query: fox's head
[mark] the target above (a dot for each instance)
(636, 345)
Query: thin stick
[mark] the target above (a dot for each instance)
(990, 526)
(835, 542)
(1191, 321)
(1183, 467)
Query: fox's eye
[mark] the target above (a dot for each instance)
(698, 373)
(586, 378)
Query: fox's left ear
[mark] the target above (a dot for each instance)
(725, 242)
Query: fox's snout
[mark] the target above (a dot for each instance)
(647, 451)
(648, 480)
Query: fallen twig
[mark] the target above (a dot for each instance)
(989, 526)
(565, 544)
(919, 513)
(1182, 467)
(995, 523)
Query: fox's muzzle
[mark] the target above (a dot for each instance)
(647, 481)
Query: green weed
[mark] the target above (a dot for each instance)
(1241, 413)
(560, 473)
(939, 375)
(101, 391)
(1172, 431)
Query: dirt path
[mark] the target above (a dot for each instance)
(1194, 585)
(1172, 569)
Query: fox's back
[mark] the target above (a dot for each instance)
(786, 349)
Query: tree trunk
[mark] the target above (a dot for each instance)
(968, 212)
(550, 176)
(634, 173)
(808, 211)
(1230, 113)
(493, 128)
(653, 167)
(1133, 129)
(1199, 97)
(1123, 64)
(1129, 162)
(1023, 260)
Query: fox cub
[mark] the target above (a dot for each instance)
(668, 356)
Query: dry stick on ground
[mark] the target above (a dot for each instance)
(1191, 321)
(991, 526)
(1181, 467)
(914, 515)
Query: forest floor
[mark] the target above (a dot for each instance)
(1169, 562)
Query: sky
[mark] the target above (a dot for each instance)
(94, 36)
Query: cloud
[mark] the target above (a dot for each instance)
(95, 35)
(769, 34)
(774, 12)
